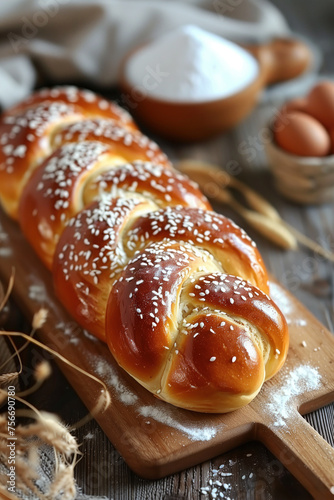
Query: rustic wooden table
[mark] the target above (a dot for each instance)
(249, 471)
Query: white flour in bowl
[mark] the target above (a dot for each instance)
(191, 65)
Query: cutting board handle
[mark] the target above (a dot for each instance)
(281, 59)
(304, 453)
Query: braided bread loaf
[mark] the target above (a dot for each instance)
(178, 292)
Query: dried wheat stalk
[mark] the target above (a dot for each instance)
(214, 184)
(44, 433)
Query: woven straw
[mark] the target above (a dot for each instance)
(302, 179)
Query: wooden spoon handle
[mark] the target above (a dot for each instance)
(304, 453)
(281, 59)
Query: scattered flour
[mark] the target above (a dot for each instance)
(105, 370)
(282, 300)
(71, 330)
(89, 435)
(303, 378)
(89, 336)
(37, 292)
(194, 433)
(222, 481)
(285, 305)
(5, 250)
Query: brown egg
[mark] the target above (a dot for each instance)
(279, 120)
(302, 135)
(320, 103)
(331, 135)
(298, 104)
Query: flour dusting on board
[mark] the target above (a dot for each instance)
(303, 378)
(105, 370)
(71, 330)
(5, 250)
(37, 292)
(281, 299)
(286, 306)
(195, 433)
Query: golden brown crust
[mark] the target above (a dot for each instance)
(94, 247)
(88, 102)
(29, 130)
(120, 241)
(232, 248)
(137, 255)
(90, 256)
(54, 194)
(129, 145)
(199, 340)
(166, 187)
(70, 179)
(148, 294)
(25, 142)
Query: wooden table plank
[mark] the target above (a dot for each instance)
(169, 439)
(252, 472)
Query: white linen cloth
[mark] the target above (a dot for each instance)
(85, 40)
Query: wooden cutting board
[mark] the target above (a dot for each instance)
(157, 439)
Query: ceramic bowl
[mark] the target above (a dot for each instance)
(279, 60)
